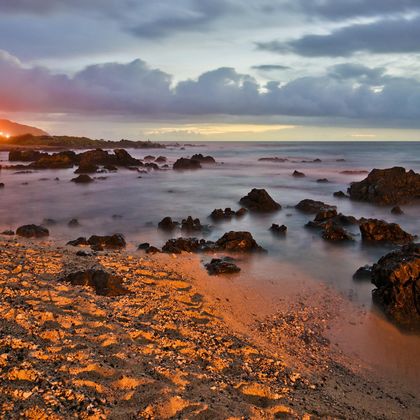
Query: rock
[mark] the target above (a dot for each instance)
(238, 242)
(8, 233)
(79, 241)
(278, 230)
(186, 164)
(334, 232)
(387, 187)
(346, 220)
(110, 168)
(144, 246)
(83, 254)
(203, 159)
(397, 280)
(104, 284)
(61, 160)
(123, 158)
(161, 159)
(86, 168)
(298, 174)
(220, 214)
(82, 179)
(322, 180)
(374, 230)
(191, 225)
(273, 159)
(176, 246)
(325, 214)
(363, 273)
(312, 206)
(1, 184)
(397, 210)
(167, 224)
(258, 200)
(25, 155)
(222, 266)
(32, 231)
(73, 223)
(100, 243)
(152, 250)
(149, 157)
(241, 212)
(340, 194)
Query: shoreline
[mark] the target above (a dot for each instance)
(181, 343)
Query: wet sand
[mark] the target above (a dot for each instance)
(181, 345)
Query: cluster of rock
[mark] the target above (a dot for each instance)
(187, 225)
(227, 214)
(223, 265)
(374, 230)
(32, 231)
(258, 200)
(387, 187)
(193, 163)
(100, 243)
(278, 230)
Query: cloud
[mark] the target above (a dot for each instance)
(136, 90)
(270, 67)
(381, 37)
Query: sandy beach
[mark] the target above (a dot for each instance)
(180, 344)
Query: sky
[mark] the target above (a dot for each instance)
(213, 69)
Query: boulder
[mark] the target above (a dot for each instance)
(32, 231)
(123, 158)
(167, 224)
(258, 200)
(186, 164)
(61, 160)
(226, 214)
(322, 180)
(325, 213)
(374, 230)
(363, 273)
(161, 159)
(298, 174)
(104, 284)
(178, 245)
(86, 168)
(191, 225)
(340, 194)
(387, 187)
(8, 233)
(203, 159)
(397, 280)
(143, 246)
(278, 230)
(312, 206)
(79, 241)
(397, 210)
(82, 179)
(334, 232)
(1, 184)
(100, 243)
(222, 266)
(149, 157)
(25, 155)
(241, 242)
(152, 250)
(73, 223)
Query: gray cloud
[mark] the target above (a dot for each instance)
(134, 89)
(270, 67)
(383, 37)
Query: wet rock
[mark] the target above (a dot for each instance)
(152, 250)
(346, 220)
(8, 233)
(178, 245)
(278, 230)
(298, 174)
(104, 284)
(99, 243)
(340, 194)
(222, 266)
(312, 206)
(397, 280)
(363, 273)
(161, 159)
(203, 159)
(167, 224)
(220, 214)
(73, 223)
(186, 164)
(238, 242)
(334, 232)
(322, 180)
(82, 179)
(110, 168)
(25, 155)
(191, 225)
(397, 210)
(78, 242)
(258, 200)
(325, 214)
(123, 158)
(143, 246)
(149, 157)
(49, 222)
(387, 187)
(273, 159)
(86, 168)
(32, 231)
(61, 160)
(375, 230)
(354, 172)
(241, 212)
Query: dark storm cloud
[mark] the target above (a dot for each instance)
(381, 37)
(270, 67)
(134, 89)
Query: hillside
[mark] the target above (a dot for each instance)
(10, 128)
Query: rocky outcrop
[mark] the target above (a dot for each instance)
(387, 187)
(334, 232)
(104, 284)
(238, 242)
(203, 159)
(178, 245)
(340, 194)
(25, 155)
(363, 273)
(186, 164)
(397, 210)
(32, 231)
(82, 179)
(224, 265)
(258, 200)
(227, 214)
(312, 206)
(273, 159)
(397, 280)
(322, 181)
(278, 230)
(298, 174)
(99, 243)
(191, 225)
(374, 230)
(167, 224)
(61, 160)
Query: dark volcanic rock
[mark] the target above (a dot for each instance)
(227, 214)
(161, 159)
(100, 243)
(387, 187)
(8, 232)
(149, 157)
(278, 230)
(188, 164)
(222, 266)
(334, 232)
(238, 242)
(123, 158)
(32, 231)
(325, 214)
(258, 200)
(374, 230)
(144, 246)
(363, 273)
(340, 194)
(178, 245)
(191, 225)
(82, 179)
(79, 241)
(203, 159)
(105, 284)
(397, 280)
(298, 174)
(152, 250)
(86, 168)
(167, 224)
(397, 210)
(312, 206)
(322, 180)
(59, 160)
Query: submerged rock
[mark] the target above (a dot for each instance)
(238, 242)
(227, 214)
(298, 174)
(167, 224)
(397, 210)
(273, 159)
(363, 273)
(73, 223)
(222, 266)
(340, 194)
(397, 280)
(203, 159)
(322, 180)
(100, 243)
(178, 245)
(32, 231)
(375, 230)
(186, 164)
(278, 230)
(258, 200)
(336, 233)
(104, 284)
(387, 187)
(191, 225)
(312, 206)
(82, 179)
